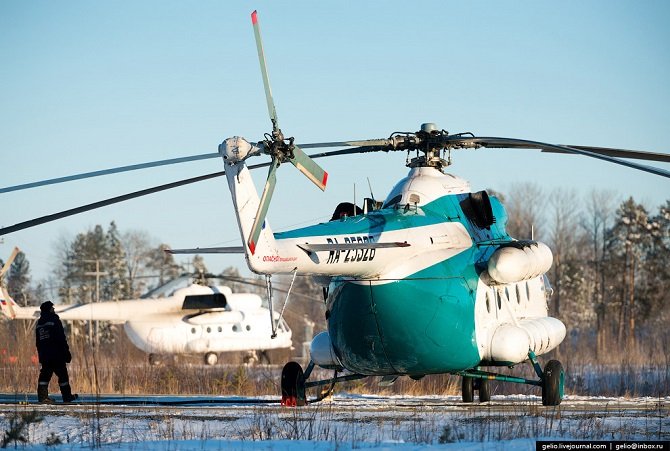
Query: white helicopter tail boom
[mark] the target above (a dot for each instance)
(12, 310)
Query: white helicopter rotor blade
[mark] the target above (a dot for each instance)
(208, 250)
(263, 206)
(309, 168)
(264, 71)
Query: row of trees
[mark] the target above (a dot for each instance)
(98, 265)
(611, 271)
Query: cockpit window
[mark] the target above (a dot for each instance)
(393, 201)
(346, 209)
(204, 301)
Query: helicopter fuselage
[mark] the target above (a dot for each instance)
(426, 304)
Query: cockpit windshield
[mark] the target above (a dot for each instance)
(168, 288)
(393, 202)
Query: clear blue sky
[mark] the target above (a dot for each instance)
(90, 85)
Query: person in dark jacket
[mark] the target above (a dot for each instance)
(54, 354)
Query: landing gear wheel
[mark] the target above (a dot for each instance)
(250, 358)
(467, 389)
(263, 358)
(552, 383)
(293, 386)
(211, 358)
(484, 390)
(154, 360)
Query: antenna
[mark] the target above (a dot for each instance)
(370, 186)
(354, 214)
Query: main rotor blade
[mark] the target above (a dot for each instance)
(621, 153)
(104, 203)
(264, 71)
(263, 206)
(132, 167)
(241, 280)
(376, 145)
(113, 200)
(307, 166)
(208, 250)
(9, 262)
(513, 143)
(381, 143)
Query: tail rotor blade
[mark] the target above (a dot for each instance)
(9, 261)
(307, 166)
(264, 71)
(263, 207)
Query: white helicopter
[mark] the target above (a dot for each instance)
(193, 319)
(426, 282)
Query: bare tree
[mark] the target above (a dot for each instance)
(598, 214)
(565, 240)
(137, 246)
(162, 264)
(525, 210)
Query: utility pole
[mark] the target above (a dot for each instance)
(97, 275)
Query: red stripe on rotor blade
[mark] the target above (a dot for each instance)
(252, 247)
(254, 18)
(325, 178)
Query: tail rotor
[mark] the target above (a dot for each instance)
(280, 149)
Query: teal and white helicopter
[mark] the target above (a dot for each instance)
(426, 282)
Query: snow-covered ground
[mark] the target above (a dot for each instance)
(343, 422)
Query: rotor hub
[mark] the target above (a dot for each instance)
(428, 142)
(278, 147)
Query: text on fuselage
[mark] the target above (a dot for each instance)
(351, 255)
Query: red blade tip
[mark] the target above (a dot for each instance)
(325, 179)
(254, 17)
(252, 247)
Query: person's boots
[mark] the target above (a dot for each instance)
(66, 391)
(43, 394)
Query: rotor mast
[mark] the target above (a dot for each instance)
(428, 142)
